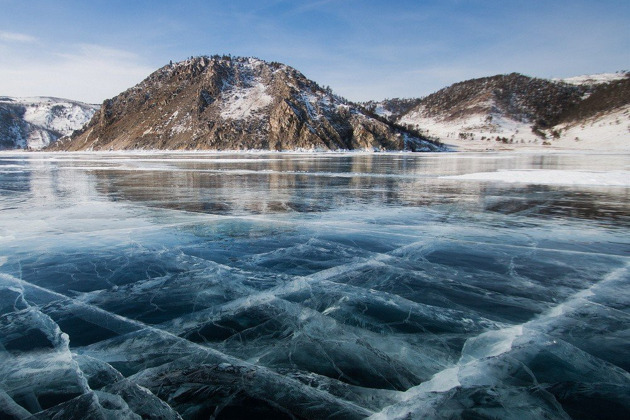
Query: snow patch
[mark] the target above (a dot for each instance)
(593, 79)
(610, 131)
(243, 102)
(182, 126)
(382, 111)
(551, 177)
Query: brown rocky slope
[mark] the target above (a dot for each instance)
(234, 103)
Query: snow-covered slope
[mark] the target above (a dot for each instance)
(476, 131)
(34, 123)
(605, 131)
(516, 111)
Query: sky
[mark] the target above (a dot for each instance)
(363, 49)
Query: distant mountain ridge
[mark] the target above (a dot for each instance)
(34, 123)
(236, 103)
(517, 109)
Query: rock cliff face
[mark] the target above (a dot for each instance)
(34, 123)
(225, 103)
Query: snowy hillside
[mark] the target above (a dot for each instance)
(606, 131)
(516, 111)
(34, 123)
(475, 131)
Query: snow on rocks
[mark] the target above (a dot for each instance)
(36, 122)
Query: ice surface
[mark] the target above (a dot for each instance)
(553, 177)
(191, 285)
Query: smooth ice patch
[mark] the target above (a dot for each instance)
(441, 381)
(490, 344)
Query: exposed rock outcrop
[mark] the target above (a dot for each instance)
(226, 103)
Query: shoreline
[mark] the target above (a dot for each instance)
(452, 148)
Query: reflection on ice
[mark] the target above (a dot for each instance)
(310, 286)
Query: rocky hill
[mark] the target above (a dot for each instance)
(392, 109)
(515, 109)
(34, 123)
(233, 103)
(514, 96)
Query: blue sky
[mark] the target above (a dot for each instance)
(363, 49)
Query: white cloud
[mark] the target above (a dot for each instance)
(16, 37)
(85, 72)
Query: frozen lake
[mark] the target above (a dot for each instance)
(315, 286)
